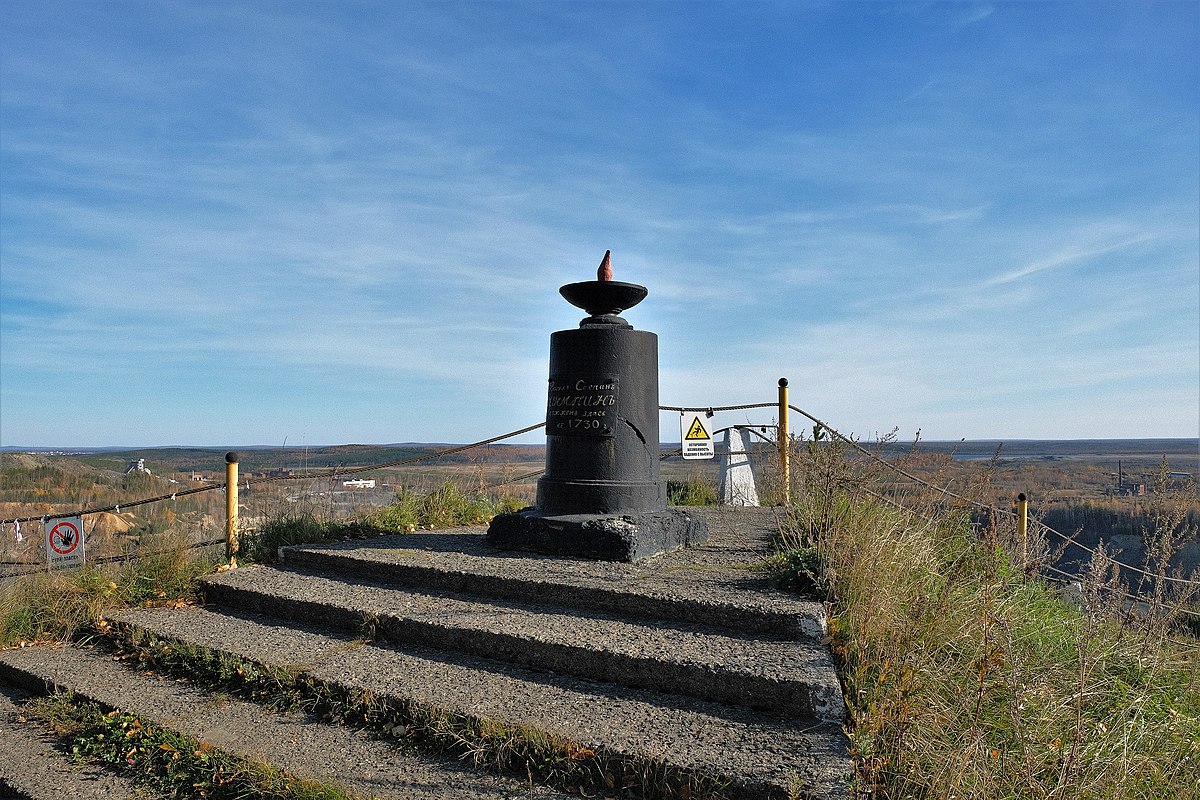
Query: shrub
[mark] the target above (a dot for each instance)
(447, 506)
(286, 530)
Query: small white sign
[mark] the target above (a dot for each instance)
(64, 543)
(696, 435)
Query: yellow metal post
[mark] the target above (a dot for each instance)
(231, 507)
(785, 467)
(1023, 527)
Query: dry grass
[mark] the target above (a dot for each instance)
(968, 677)
(57, 606)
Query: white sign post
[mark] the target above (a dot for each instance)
(696, 435)
(64, 543)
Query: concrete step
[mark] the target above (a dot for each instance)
(758, 754)
(682, 674)
(795, 677)
(298, 744)
(31, 768)
(712, 585)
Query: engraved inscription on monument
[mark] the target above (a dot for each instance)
(582, 406)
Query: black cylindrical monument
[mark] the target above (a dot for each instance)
(602, 495)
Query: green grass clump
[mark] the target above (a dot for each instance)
(59, 605)
(797, 570)
(166, 762)
(286, 530)
(695, 491)
(447, 506)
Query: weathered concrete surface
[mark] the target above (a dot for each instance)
(621, 658)
(32, 768)
(791, 676)
(762, 752)
(626, 537)
(713, 584)
(298, 744)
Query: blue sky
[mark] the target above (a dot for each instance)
(335, 222)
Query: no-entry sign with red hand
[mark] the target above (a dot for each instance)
(64, 543)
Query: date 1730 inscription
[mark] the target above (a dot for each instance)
(582, 407)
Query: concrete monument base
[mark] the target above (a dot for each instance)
(618, 537)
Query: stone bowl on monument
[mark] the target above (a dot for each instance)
(602, 495)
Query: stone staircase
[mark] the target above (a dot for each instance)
(683, 676)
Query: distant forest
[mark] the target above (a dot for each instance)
(162, 460)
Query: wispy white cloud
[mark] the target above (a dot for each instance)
(1071, 254)
(973, 13)
(333, 204)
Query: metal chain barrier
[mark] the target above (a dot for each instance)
(342, 472)
(984, 506)
(329, 473)
(939, 489)
(41, 569)
(1060, 576)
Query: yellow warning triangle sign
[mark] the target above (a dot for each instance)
(697, 432)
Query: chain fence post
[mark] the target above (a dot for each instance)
(1023, 528)
(785, 466)
(231, 507)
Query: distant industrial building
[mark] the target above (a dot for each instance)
(137, 466)
(1128, 488)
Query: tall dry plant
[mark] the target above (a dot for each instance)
(1166, 590)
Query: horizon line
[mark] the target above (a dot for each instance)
(965, 440)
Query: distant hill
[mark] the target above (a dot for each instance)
(25, 461)
(1183, 449)
(161, 460)
(1182, 452)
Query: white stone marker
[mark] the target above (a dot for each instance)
(735, 478)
